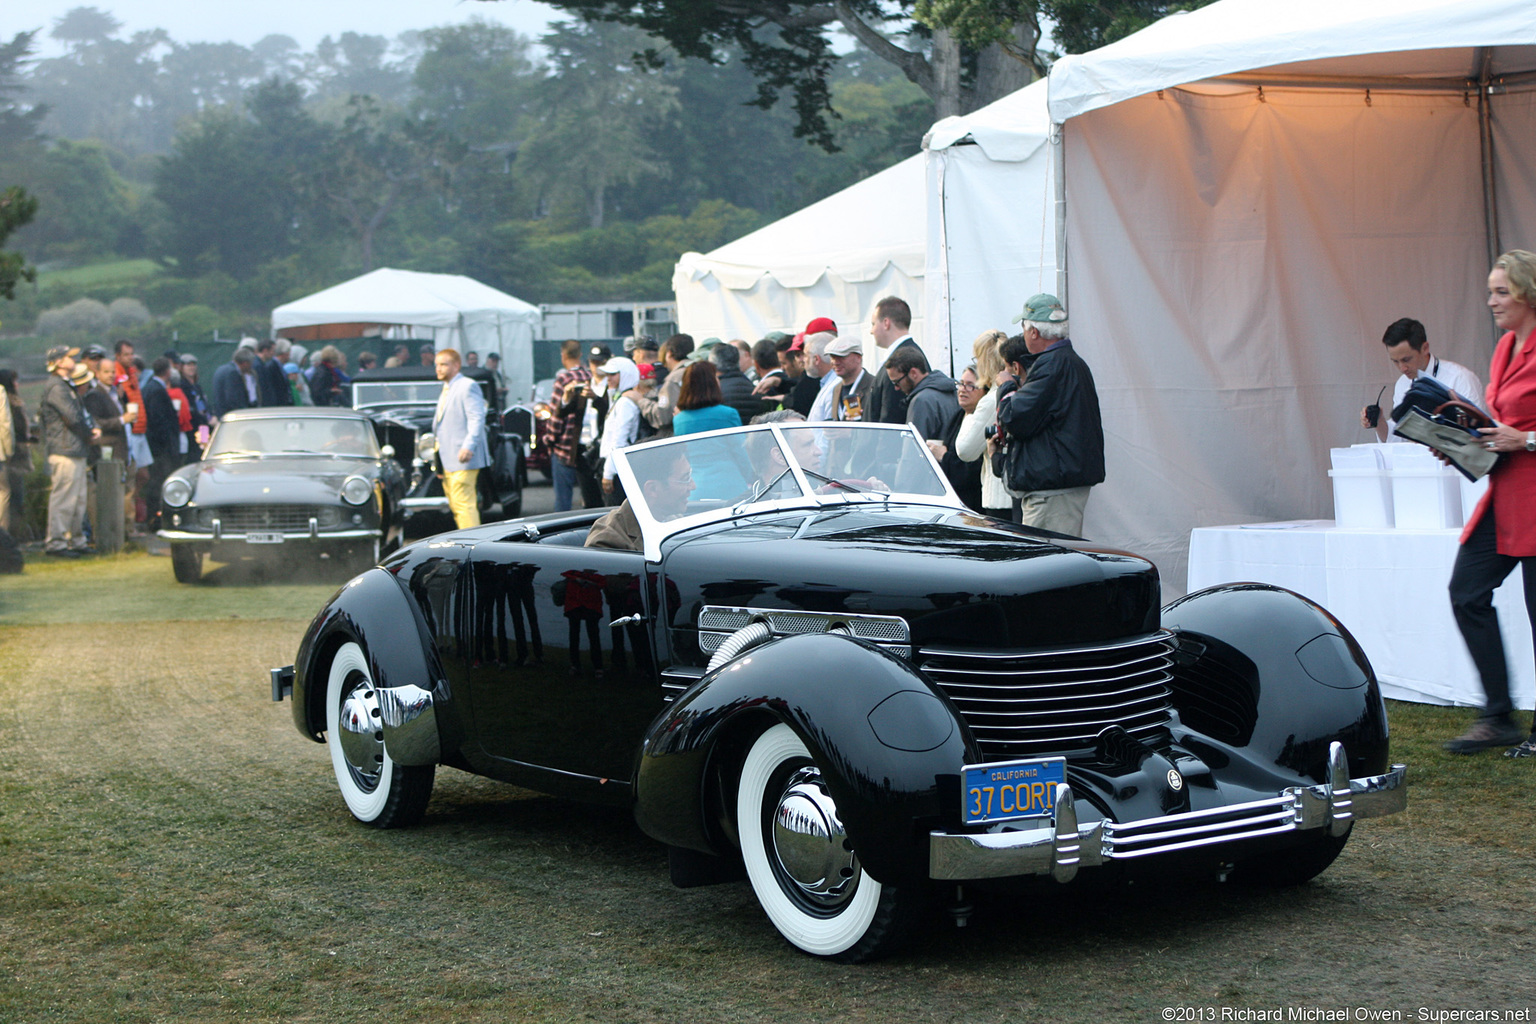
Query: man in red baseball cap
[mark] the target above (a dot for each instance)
(820, 325)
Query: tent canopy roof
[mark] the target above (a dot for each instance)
(1011, 129)
(387, 296)
(1382, 39)
(853, 234)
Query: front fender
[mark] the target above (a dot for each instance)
(375, 612)
(889, 744)
(1267, 674)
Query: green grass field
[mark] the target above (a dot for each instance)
(101, 275)
(171, 849)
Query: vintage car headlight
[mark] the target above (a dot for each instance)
(176, 492)
(356, 489)
(426, 447)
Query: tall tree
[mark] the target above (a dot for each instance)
(16, 208)
(596, 106)
(368, 166)
(961, 53)
(236, 189)
(20, 122)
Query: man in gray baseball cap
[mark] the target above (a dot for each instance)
(1055, 437)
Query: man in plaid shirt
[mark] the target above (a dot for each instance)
(570, 405)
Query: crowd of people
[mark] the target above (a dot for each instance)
(148, 417)
(1018, 435)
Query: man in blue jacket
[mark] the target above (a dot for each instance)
(1055, 436)
(459, 424)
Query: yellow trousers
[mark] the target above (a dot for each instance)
(459, 486)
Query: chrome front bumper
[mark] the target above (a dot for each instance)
(313, 533)
(1060, 848)
(438, 503)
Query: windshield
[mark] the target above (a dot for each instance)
(309, 435)
(372, 394)
(685, 480)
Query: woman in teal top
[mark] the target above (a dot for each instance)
(700, 408)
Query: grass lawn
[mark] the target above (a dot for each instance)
(171, 849)
(101, 275)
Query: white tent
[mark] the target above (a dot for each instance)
(1249, 194)
(452, 310)
(991, 219)
(834, 258)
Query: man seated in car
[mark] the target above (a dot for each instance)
(665, 490)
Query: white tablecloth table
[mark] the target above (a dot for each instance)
(1388, 589)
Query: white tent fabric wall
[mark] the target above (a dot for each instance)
(834, 258)
(991, 219)
(454, 311)
(1232, 258)
(1233, 264)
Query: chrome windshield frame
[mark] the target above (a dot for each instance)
(655, 532)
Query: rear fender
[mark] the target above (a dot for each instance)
(889, 745)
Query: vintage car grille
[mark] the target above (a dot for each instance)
(241, 518)
(1056, 701)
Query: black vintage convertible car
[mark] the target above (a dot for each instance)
(271, 479)
(401, 401)
(802, 661)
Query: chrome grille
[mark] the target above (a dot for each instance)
(287, 518)
(1056, 701)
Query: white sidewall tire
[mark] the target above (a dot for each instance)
(365, 806)
(820, 936)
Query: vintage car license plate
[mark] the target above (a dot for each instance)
(1009, 790)
(263, 538)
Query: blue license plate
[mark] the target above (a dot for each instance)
(1010, 790)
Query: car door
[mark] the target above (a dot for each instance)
(553, 681)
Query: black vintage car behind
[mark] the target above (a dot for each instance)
(805, 663)
(401, 402)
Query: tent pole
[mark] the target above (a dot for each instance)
(1485, 141)
(1059, 170)
(945, 308)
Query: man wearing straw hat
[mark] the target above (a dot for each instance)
(68, 433)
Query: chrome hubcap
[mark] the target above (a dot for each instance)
(812, 848)
(361, 734)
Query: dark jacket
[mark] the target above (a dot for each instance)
(888, 404)
(271, 383)
(964, 477)
(933, 408)
(865, 391)
(736, 392)
(227, 393)
(1055, 435)
(107, 411)
(164, 430)
(803, 395)
(66, 426)
(325, 386)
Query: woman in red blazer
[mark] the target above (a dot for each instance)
(1502, 531)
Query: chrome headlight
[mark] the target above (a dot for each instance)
(356, 489)
(176, 492)
(426, 447)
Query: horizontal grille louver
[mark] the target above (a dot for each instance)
(287, 518)
(1044, 702)
(1216, 702)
